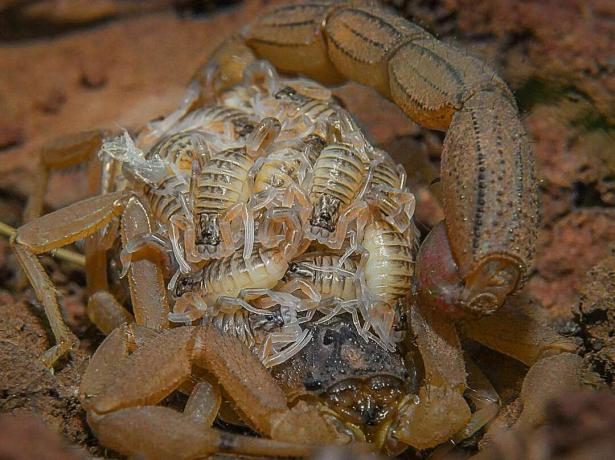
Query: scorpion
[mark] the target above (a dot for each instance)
(461, 281)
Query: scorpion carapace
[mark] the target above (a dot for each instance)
(269, 251)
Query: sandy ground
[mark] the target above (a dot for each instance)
(71, 65)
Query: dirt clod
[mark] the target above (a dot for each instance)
(595, 316)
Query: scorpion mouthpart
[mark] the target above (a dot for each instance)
(367, 402)
(433, 417)
(207, 249)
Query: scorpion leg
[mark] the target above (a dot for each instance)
(486, 402)
(204, 403)
(303, 287)
(156, 129)
(124, 418)
(484, 398)
(227, 244)
(358, 213)
(144, 266)
(441, 411)
(387, 197)
(78, 221)
(519, 331)
(53, 231)
(145, 273)
(264, 405)
(65, 152)
(106, 312)
(225, 68)
(102, 307)
(62, 153)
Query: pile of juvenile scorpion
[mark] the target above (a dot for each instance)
(275, 212)
(254, 251)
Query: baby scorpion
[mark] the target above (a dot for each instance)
(387, 194)
(224, 121)
(280, 177)
(218, 195)
(386, 273)
(339, 175)
(326, 280)
(279, 180)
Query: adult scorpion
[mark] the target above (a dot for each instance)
(464, 274)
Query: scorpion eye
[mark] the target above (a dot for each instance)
(292, 267)
(286, 92)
